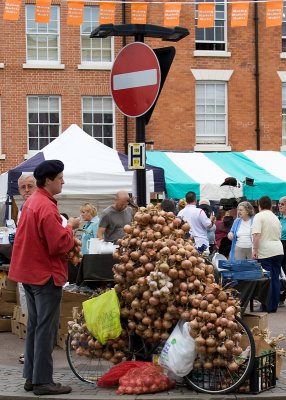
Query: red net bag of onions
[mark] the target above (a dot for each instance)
(111, 377)
(146, 379)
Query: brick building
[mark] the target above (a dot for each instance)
(53, 75)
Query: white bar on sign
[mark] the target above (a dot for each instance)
(135, 79)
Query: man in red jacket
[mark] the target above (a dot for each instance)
(39, 262)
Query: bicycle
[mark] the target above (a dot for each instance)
(219, 379)
(90, 364)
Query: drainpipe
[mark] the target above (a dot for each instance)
(257, 129)
(125, 126)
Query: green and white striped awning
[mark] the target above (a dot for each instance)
(203, 173)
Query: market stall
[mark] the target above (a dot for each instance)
(92, 170)
(204, 173)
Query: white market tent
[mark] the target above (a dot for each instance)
(92, 170)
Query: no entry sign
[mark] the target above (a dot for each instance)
(135, 79)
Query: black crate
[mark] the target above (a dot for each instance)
(263, 376)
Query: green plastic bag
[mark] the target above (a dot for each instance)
(102, 316)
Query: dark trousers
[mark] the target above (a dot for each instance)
(284, 257)
(43, 303)
(273, 265)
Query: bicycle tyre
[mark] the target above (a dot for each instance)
(214, 381)
(87, 369)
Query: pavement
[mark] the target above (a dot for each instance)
(11, 381)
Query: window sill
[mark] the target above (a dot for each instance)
(44, 66)
(283, 55)
(95, 66)
(283, 148)
(1, 65)
(211, 147)
(2, 156)
(208, 53)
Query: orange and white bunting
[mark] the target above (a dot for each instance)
(138, 13)
(106, 13)
(75, 12)
(43, 11)
(239, 14)
(12, 10)
(172, 14)
(274, 13)
(206, 14)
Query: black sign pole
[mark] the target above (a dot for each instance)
(140, 138)
(141, 173)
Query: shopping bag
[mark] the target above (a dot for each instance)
(102, 316)
(179, 351)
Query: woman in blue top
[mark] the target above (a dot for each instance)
(240, 233)
(88, 213)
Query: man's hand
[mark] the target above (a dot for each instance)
(254, 253)
(74, 222)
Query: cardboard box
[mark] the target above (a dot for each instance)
(16, 313)
(61, 341)
(259, 319)
(67, 309)
(63, 328)
(73, 297)
(23, 331)
(15, 327)
(278, 365)
(6, 308)
(8, 295)
(7, 284)
(22, 317)
(5, 325)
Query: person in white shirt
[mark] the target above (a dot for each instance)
(267, 247)
(197, 219)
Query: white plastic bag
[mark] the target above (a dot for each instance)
(179, 351)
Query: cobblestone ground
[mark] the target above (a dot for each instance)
(11, 381)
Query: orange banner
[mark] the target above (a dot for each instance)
(43, 11)
(274, 13)
(239, 14)
(172, 14)
(206, 12)
(12, 10)
(138, 13)
(75, 12)
(106, 13)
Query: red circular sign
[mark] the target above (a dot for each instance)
(135, 79)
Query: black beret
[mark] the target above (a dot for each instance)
(48, 169)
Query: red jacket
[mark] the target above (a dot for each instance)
(41, 243)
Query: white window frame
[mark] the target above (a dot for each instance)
(213, 52)
(225, 114)
(99, 65)
(43, 63)
(113, 117)
(33, 152)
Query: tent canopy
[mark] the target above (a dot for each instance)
(203, 173)
(90, 166)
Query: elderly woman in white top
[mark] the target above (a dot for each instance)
(240, 233)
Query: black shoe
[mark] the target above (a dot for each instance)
(51, 388)
(28, 386)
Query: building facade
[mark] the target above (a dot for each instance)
(225, 91)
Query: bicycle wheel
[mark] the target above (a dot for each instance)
(221, 379)
(87, 368)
